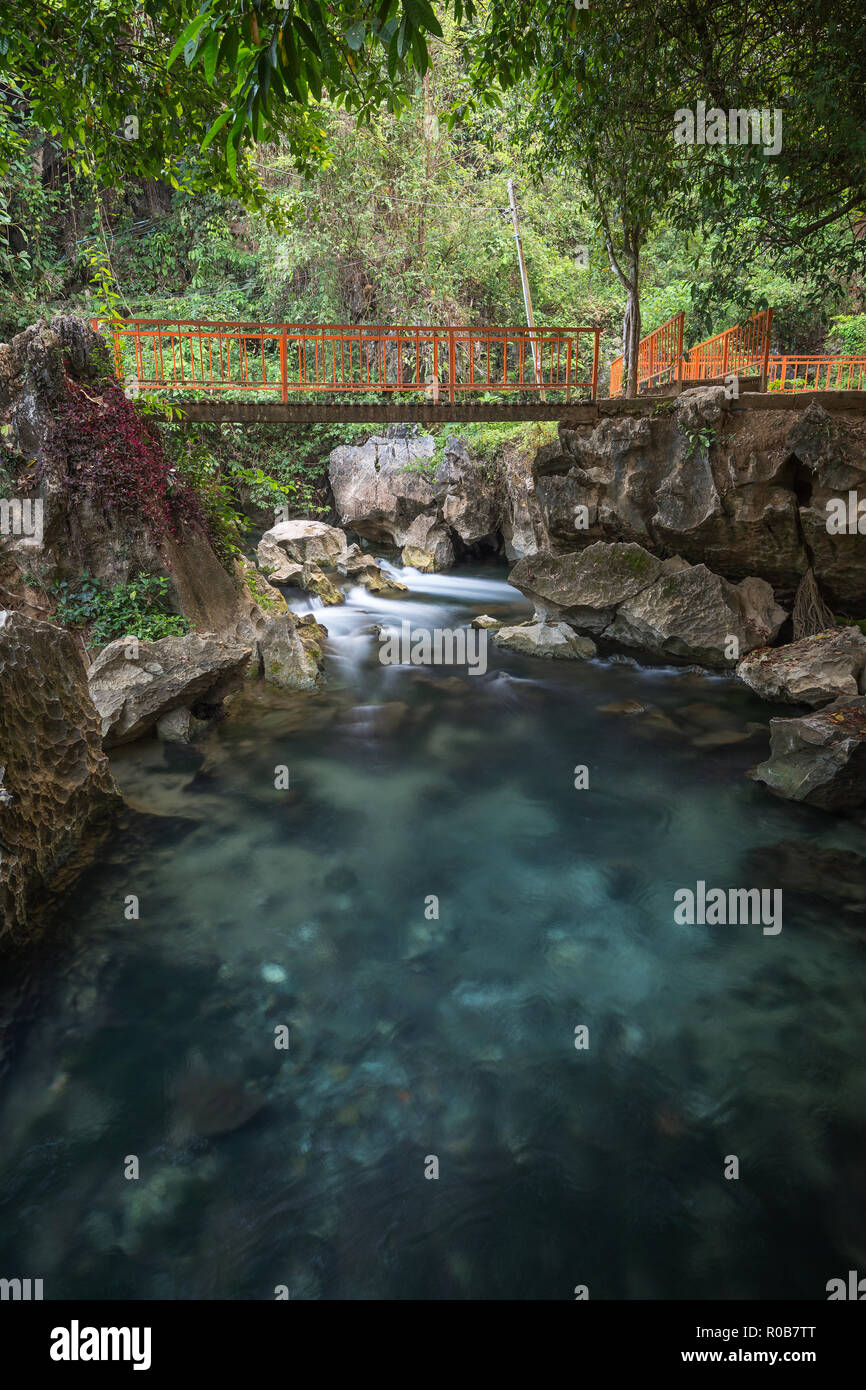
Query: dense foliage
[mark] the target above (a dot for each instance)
(138, 608)
(390, 133)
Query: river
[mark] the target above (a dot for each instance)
(476, 968)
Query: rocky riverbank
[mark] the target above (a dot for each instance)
(680, 535)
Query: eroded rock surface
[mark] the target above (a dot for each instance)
(133, 684)
(57, 795)
(665, 607)
(545, 639)
(810, 672)
(819, 758)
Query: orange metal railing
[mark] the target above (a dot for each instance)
(742, 351)
(616, 375)
(193, 357)
(659, 357)
(816, 373)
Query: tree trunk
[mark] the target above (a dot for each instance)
(631, 340)
(630, 282)
(631, 325)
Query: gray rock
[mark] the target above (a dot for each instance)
(57, 795)
(587, 586)
(286, 660)
(365, 571)
(133, 684)
(545, 639)
(692, 614)
(179, 726)
(809, 672)
(666, 607)
(820, 758)
(305, 543)
(484, 620)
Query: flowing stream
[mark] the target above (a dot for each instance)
(414, 1037)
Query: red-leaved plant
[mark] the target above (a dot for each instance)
(115, 459)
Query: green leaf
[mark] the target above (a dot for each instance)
(189, 32)
(355, 36)
(216, 128)
(209, 53)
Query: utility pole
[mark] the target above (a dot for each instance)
(527, 297)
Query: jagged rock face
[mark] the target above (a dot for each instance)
(133, 684)
(667, 608)
(820, 758)
(57, 795)
(381, 487)
(556, 640)
(468, 497)
(388, 491)
(810, 672)
(744, 492)
(750, 501)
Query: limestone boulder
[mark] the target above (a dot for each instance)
(812, 671)
(820, 758)
(381, 487)
(427, 546)
(58, 799)
(691, 614)
(586, 587)
(286, 660)
(545, 639)
(133, 684)
(304, 543)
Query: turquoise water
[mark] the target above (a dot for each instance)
(412, 1037)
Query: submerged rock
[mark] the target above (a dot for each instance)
(133, 684)
(179, 726)
(816, 669)
(57, 795)
(835, 876)
(819, 758)
(205, 1105)
(545, 639)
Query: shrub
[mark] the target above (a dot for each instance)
(115, 459)
(138, 608)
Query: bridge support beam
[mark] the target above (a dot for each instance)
(421, 412)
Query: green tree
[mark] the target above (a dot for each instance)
(597, 84)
